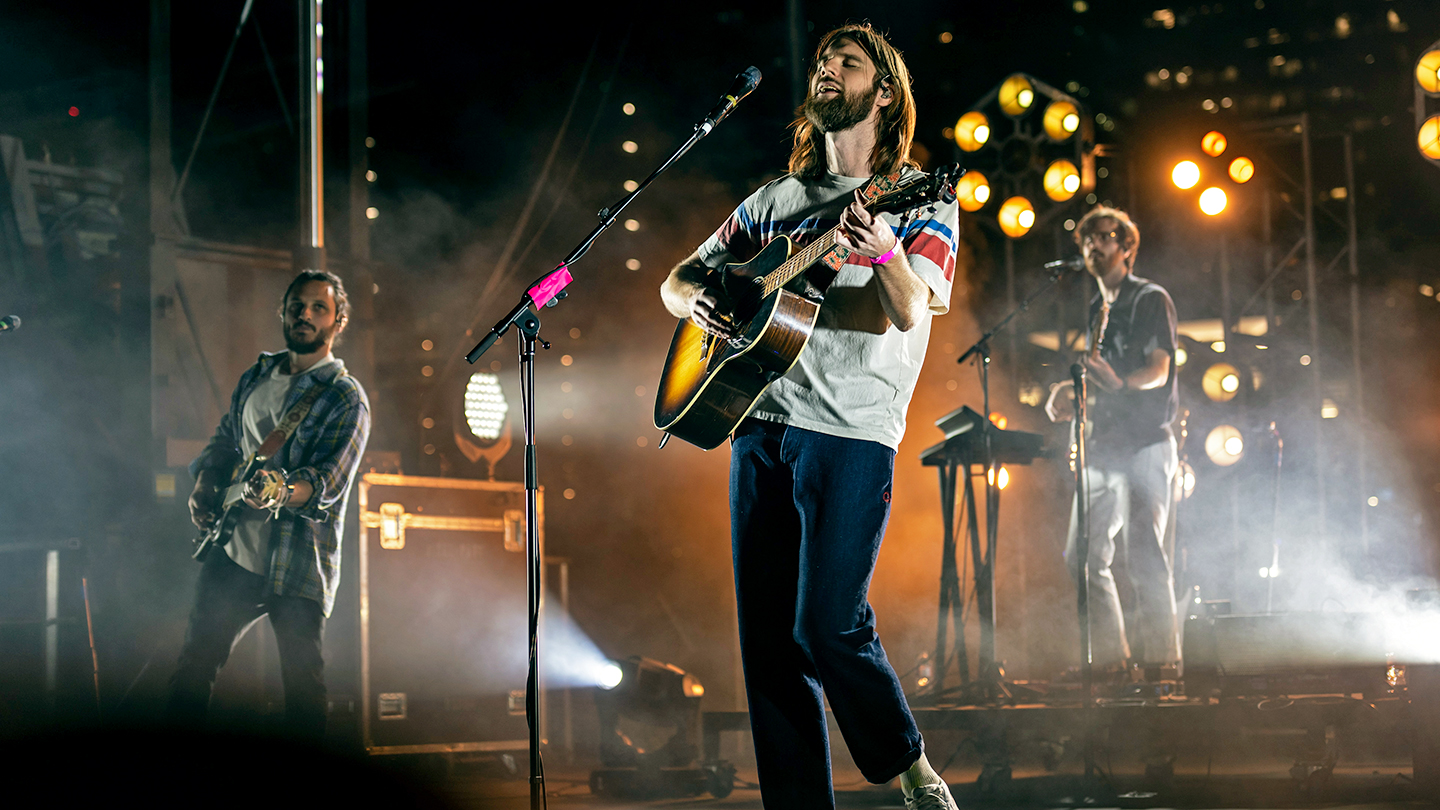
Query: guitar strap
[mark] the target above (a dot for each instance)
(879, 184)
(292, 419)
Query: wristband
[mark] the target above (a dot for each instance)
(889, 255)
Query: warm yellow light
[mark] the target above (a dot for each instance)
(1221, 382)
(1428, 138)
(1213, 201)
(972, 191)
(1427, 71)
(1016, 95)
(1242, 169)
(1185, 174)
(1004, 477)
(1016, 217)
(972, 131)
(1213, 144)
(1181, 356)
(1061, 120)
(1224, 445)
(999, 420)
(1061, 180)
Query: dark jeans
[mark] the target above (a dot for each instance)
(807, 513)
(228, 600)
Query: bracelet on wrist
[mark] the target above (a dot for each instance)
(888, 255)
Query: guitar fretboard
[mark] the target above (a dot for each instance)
(797, 264)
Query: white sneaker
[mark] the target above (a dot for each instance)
(931, 797)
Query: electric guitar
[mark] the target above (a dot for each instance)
(232, 505)
(709, 383)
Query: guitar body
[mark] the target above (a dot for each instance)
(708, 385)
(233, 508)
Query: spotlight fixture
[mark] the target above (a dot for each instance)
(1213, 201)
(1062, 119)
(972, 191)
(655, 693)
(1016, 95)
(1185, 174)
(972, 131)
(1427, 86)
(1427, 71)
(484, 414)
(1428, 138)
(1221, 382)
(1061, 180)
(1016, 217)
(1213, 144)
(1242, 169)
(1224, 445)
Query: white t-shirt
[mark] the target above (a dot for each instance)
(249, 544)
(858, 372)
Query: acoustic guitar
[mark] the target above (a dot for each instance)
(709, 384)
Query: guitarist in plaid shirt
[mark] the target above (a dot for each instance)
(283, 558)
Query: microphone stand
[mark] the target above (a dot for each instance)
(547, 291)
(990, 678)
(1082, 583)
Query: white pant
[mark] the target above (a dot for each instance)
(1130, 502)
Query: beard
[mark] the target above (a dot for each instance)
(299, 346)
(839, 113)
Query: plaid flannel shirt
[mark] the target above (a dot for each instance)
(324, 450)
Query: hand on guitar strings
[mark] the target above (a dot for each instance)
(711, 311)
(1102, 373)
(268, 490)
(203, 502)
(864, 233)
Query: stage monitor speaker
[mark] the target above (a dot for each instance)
(1285, 654)
(443, 620)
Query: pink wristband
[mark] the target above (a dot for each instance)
(888, 256)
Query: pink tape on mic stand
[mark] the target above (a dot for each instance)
(544, 292)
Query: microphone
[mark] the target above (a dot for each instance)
(744, 85)
(9, 323)
(1072, 263)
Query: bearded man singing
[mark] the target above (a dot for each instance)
(812, 465)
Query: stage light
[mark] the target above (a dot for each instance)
(1061, 120)
(1016, 95)
(1242, 169)
(1221, 382)
(655, 693)
(611, 675)
(1427, 71)
(1213, 201)
(1328, 409)
(1061, 180)
(972, 191)
(972, 131)
(1187, 480)
(485, 405)
(1181, 357)
(1004, 476)
(1224, 446)
(1428, 139)
(1213, 144)
(1016, 217)
(1185, 174)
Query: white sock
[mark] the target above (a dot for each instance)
(919, 774)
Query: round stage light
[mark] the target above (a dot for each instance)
(1061, 120)
(1428, 138)
(1427, 72)
(610, 675)
(1016, 217)
(1213, 144)
(485, 405)
(1187, 479)
(1242, 169)
(1185, 174)
(972, 131)
(1061, 180)
(1221, 382)
(972, 191)
(1225, 445)
(1213, 201)
(1016, 95)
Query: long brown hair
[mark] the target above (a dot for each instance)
(896, 125)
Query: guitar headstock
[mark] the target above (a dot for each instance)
(936, 187)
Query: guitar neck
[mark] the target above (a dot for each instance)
(797, 264)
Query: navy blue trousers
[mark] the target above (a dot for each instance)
(807, 514)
